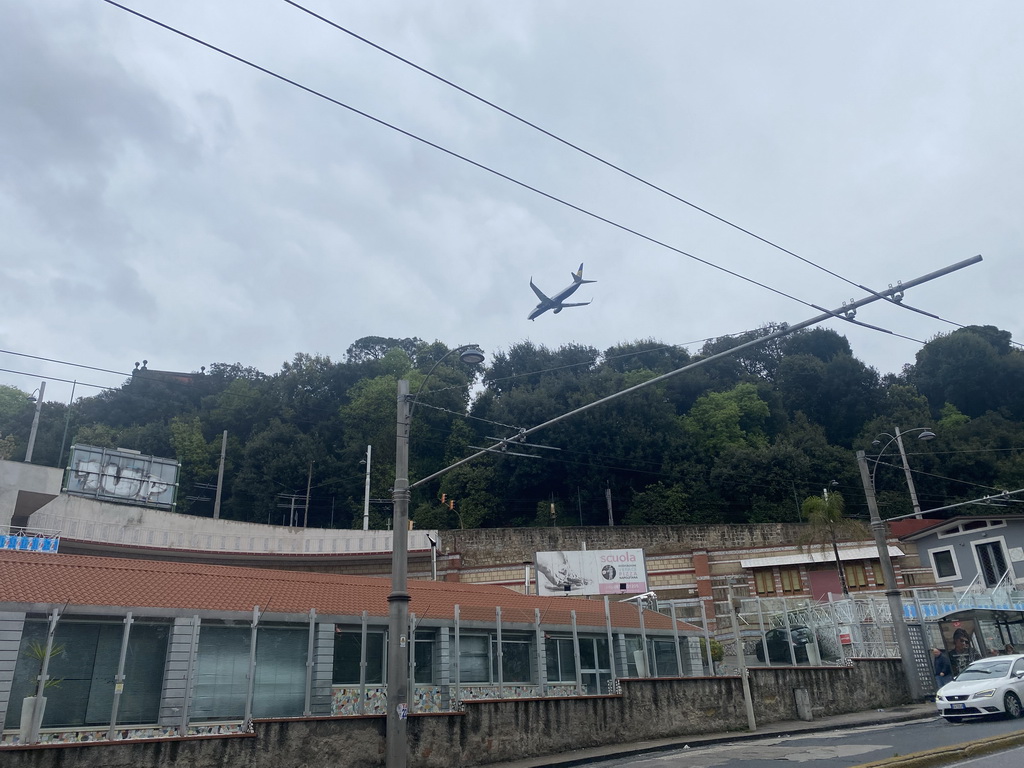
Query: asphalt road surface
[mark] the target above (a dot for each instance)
(833, 749)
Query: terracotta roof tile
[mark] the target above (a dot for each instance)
(52, 578)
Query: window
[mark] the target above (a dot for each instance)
(478, 659)
(222, 672)
(663, 657)
(790, 578)
(424, 657)
(944, 564)
(347, 653)
(515, 660)
(474, 664)
(764, 582)
(561, 661)
(84, 659)
(856, 577)
(595, 664)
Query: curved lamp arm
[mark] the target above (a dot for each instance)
(925, 434)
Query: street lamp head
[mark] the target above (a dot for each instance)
(471, 355)
(926, 435)
(32, 398)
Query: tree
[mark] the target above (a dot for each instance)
(826, 525)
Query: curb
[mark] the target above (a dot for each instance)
(952, 754)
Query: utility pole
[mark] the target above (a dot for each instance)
(892, 593)
(35, 424)
(220, 474)
(366, 490)
(309, 485)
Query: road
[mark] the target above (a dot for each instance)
(832, 749)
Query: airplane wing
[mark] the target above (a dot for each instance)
(538, 291)
(578, 304)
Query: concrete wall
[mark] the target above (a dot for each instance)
(496, 731)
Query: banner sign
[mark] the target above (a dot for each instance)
(26, 542)
(591, 572)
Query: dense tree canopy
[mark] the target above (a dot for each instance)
(741, 438)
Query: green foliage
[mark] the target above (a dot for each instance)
(717, 651)
(738, 439)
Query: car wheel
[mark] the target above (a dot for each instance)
(1011, 705)
(953, 720)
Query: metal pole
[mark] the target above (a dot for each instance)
(119, 678)
(397, 752)
(307, 704)
(892, 593)
(611, 640)
(906, 471)
(35, 424)
(366, 490)
(361, 709)
(748, 703)
(576, 654)
(220, 474)
(67, 423)
(37, 711)
(252, 667)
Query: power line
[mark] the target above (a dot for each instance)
(847, 316)
(898, 301)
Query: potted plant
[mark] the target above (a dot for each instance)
(33, 707)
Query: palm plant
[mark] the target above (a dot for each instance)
(826, 525)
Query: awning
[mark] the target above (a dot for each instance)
(846, 554)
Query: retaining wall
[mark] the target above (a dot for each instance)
(495, 731)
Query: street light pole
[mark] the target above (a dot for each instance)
(925, 434)
(892, 592)
(906, 471)
(366, 490)
(35, 424)
(398, 600)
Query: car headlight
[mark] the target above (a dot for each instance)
(986, 694)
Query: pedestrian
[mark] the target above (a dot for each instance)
(943, 670)
(1009, 649)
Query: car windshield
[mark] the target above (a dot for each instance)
(985, 670)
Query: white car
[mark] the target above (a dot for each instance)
(989, 686)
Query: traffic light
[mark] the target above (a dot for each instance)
(444, 496)
(451, 504)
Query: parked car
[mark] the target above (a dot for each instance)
(778, 644)
(990, 686)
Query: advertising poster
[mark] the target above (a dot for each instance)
(591, 572)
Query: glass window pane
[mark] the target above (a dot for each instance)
(665, 658)
(516, 662)
(280, 689)
(474, 666)
(222, 670)
(424, 661)
(347, 644)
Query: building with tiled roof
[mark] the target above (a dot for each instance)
(194, 635)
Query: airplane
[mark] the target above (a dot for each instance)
(557, 302)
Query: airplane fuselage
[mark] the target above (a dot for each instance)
(557, 302)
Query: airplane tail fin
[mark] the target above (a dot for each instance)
(577, 277)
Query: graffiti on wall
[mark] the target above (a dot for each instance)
(123, 482)
(120, 475)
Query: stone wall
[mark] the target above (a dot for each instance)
(487, 546)
(496, 731)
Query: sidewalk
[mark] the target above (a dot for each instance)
(872, 717)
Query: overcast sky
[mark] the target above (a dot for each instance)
(161, 201)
